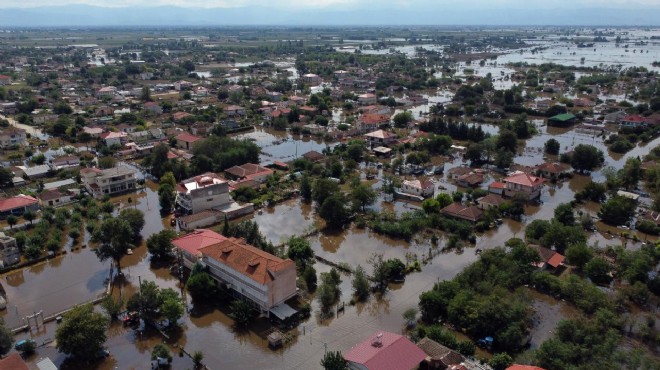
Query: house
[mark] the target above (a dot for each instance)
(106, 92)
(457, 172)
(186, 141)
(313, 156)
(420, 188)
(234, 110)
(200, 91)
(297, 100)
(12, 136)
(371, 122)
(385, 351)
(202, 192)
(549, 258)
(5, 80)
(367, 99)
(652, 216)
(110, 181)
(261, 278)
(67, 161)
(9, 252)
(523, 184)
(249, 171)
(311, 79)
(380, 138)
(490, 201)
(13, 361)
(458, 210)
(153, 107)
(439, 356)
(552, 170)
(17, 205)
(8, 108)
(54, 198)
(182, 85)
(180, 116)
(93, 131)
(633, 120)
(470, 180)
(114, 138)
(32, 173)
(308, 110)
(615, 117)
(562, 120)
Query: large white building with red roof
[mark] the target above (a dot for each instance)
(523, 184)
(18, 205)
(385, 351)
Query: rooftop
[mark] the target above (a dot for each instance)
(18, 201)
(385, 350)
(197, 240)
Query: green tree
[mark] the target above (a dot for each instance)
(309, 275)
(202, 286)
(360, 283)
(300, 251)
(82, 332)
(114, 238)
(431, 205)
(161, 351)
(29, 216)
(6, 338)
(112, 306)
(579, 254)
(135, 219)
(334, 211)
(552, 146)
(166, 197)
(363, 196)
(334, 361)
(402, 119)
(172, 309)
(160, 245)
(241, 312)
(598, 270)
(617, 210)
(500, 361)
(305, 187)
(564, 214)
(586, 158)
(12, 220)
(631, 173)
(145, 96)
(444, 200)
(197, 358)
(323, 188)
(410, 315)
(106, 162)
(508, 141)
(148, 300)
(379, 272)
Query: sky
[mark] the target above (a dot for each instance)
(345, 4)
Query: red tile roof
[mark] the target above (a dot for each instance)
(197, 240)
(552, 167)
(374, 118)
(187, 138)
(380, 134)
(459, 210)
(634, 118)
(250, 261)
(524, 179)
(18, 201)
(248, 170)
(394, 352)
(13, 362)
(497, 185)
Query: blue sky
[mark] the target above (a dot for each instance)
(345, 4)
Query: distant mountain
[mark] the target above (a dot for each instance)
(81, 15)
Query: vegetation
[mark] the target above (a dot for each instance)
(82, 333)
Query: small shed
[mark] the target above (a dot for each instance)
(275, 339)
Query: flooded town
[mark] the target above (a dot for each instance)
(330, 198)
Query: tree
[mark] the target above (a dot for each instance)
(29, 216)
(334, 211)
(166, 197)
(586, 158)
(360, 283)
(323, 188)
(201, 286)
(6, 338)
(82, 332)
(379, 273)
(598, 270)
(161, 351)
(114, 236)
(508, 141)
(444, 200)
(106, 162)
(363, 196)
(431, 205)
(241, 312)
(334, 361)
(147, 300)
(410, 315)
(564, 214)
(579, 254)
(197, 358)
(160, 245)
(135, 219)
(6, 177)
(172, 308)
(402, 119)
(305, 187)
(552, 146)
(12, 220)
(300, 251)
(112, 306)
(631, 173)
(146, 94)
(500, 361)
(309, 275)
(617, 210)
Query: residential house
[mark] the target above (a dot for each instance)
(43, 116)
(186, 141)
(458, 210)
(371, 122)
(67, 161)
(470, 180)
(457, 172)
(201, 128)
(11, 136)
(385, 351)
(311, 79)
(313, 156)
(367, 99)
(32, 173)
(180, 116)
(552, 170)
(234, 110)
(200, 91)
(110, 181)
(549, 258)
(8, 108)
(17, 205)
(420, 188)
(439, 356)
(490, 201)
(103, 111)
(5, 80)
(93, 131)
(274, 96)
(261, 278)
(9, 252)
(182, 85)
(376, 109)
(523, 184)
(615, 117)
(562, 120)
(114, 138)
(543, 104)
(297, 100)
(249, 171)
(308, 110)
(380, 138)
(652, 216)
(106, 92)
(202, 192)
(54, 198)
(153, 107)
(634, 121)
(190, 244)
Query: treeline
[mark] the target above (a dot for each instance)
(457, 131)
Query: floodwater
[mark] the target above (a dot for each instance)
(281, 145)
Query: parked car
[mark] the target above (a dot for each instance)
(24, 344)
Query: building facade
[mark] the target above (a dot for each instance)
(9, 252)
(202, 192)
(110, 181)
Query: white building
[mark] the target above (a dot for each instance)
(110, 181)
(418, 187)
(202, 192)
(12, 136)
(9, 252)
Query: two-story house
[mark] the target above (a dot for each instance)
(12, 136)
(109, 181)
(202, 192)
(523, 184)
